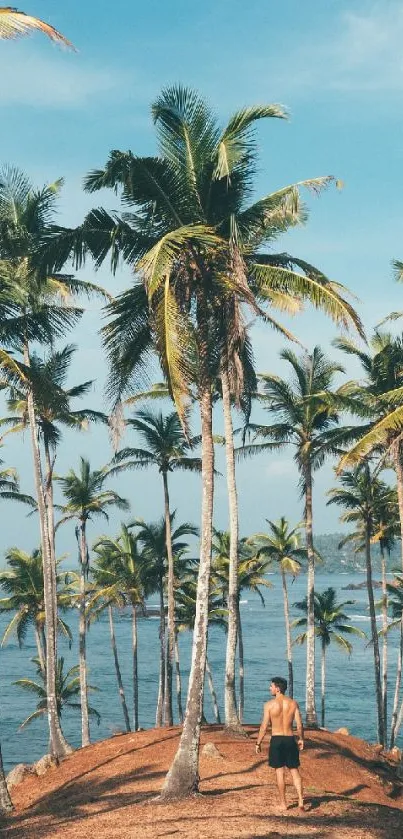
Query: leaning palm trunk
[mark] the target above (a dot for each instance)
(384, 645)
(213, 694)
(135, 670)
(241, 666)
(310, 708)
(231, 715)
(5, 800)
(393, 728)
(161, 681)
(183, 777)
(50, 512)
(40, 648)
(117, 669)
(374, 637)
(82, 629)
(168, 719)
(178, 680)
(323, 683)
(288, 634)
(57, 743)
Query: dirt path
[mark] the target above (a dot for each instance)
(106, 792)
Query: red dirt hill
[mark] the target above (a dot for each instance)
(105, 791)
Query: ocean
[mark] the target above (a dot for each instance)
(350, 681)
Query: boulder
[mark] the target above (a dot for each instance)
(342, 731)
(18, 774)
(46, 762)
(395, 754)
(210, 750)
(378, 748)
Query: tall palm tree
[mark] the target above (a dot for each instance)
(306, 416)
(282, 546)
(152, 536)
(22, 582)
(193, 239)
(330, 625)
(395, 591)
(15, 24)
(169, 450)
(118, 577)
(68, 687)
(86, 498)
(361, 493)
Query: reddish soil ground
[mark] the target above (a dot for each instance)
(106, 792)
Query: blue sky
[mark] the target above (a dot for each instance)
(337, 66)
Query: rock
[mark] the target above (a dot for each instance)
(18, 774)
(395, 754)
(46, 762)
(210, 750)
(378, 748)
(342, 731)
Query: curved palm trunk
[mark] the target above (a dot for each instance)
(183, 777)
(323, 683)
(231, 715)
(168, 719)
(58, 746)
(117, 669)
(310, 706)
(374, 636)
(241, 666)
(82, 629)
(135, 670)
(49, 504)
(178, 680)
(287, 633)
(384, 645)
(161, 683)
(41, 649)
(5, 800)
(213, 694)
(393, 728)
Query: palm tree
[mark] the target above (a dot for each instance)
(282, 546)
(251, 571)
(15, 24)
(361, 494)
(306, 413)
(118, 578)
(395, 591)
(86, 499)
(152, 537)
(330, 625)
(68, 687)
(169, 450)
(5, 801)
(22, 581)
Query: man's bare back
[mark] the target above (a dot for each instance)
(282, 712)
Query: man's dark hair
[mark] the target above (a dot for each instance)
(280, 683)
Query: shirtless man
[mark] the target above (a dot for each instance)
(280, 713)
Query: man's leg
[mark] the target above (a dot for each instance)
(297, 781)
(281, 787)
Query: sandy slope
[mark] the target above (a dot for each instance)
(105, 791)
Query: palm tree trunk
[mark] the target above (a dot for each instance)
(41, 650)
(384, 645)
(310, 709)
(231, 715)
(178, 680)
(213, 693)
(168, 719)
(287, 633)
(58, 746)
(374, 636)
(397, 687)
(183, 777)
(82, 629)
(161, 683)
(323, 683)
(49, 504)
(117, 669)
(5, 800)
(241, 667)
(135, 670)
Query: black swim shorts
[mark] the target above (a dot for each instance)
(283, 751)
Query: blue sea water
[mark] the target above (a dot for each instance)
(350, 681)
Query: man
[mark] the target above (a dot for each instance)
(280, 713)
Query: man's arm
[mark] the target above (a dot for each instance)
(300, 728)
(263, 727)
